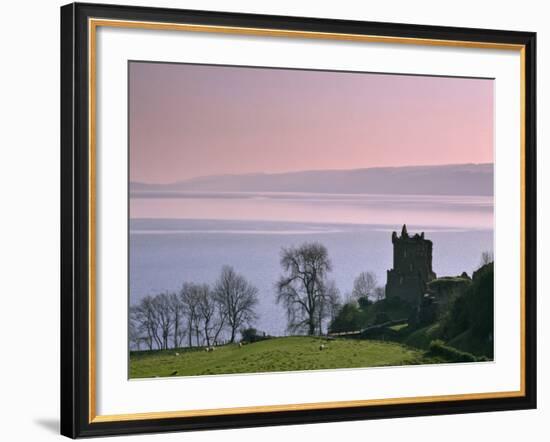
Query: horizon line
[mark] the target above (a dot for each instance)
(306, 170)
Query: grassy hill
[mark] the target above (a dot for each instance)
(422, 337)
(278, 354)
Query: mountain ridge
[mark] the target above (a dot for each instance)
(450, 179)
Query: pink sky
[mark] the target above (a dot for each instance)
(190, 120)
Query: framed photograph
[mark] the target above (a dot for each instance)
(274, 220)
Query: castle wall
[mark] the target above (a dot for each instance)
(445, 290)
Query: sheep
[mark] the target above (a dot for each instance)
(322, 347)
(176, 354)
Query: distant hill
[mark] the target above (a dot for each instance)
(454, 179)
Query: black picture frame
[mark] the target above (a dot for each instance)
(75, 220)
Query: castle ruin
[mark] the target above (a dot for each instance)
(412, 267)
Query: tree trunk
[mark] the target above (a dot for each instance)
(176, 333)
(311, 327)
(206, 336)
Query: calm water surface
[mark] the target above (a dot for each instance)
(189, 236)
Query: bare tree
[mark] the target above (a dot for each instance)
(237, 299)
(364, 285)
(145, 315)
(178, 312)
(302, 289)
(190, 298)
(163, 314)
(210, 312)
(220, 321)
(379, 293)
(152, 322)
(135, 330)
(329, 304)
(486, 258)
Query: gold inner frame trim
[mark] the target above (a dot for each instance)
(298, 407)
(93, 24)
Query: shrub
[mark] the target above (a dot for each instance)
(252, 335)
(471, 314)
(364, 302)
(347, 319)
(438, 348)
(381, 318)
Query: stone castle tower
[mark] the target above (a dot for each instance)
(412, 267)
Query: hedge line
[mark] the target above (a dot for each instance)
(438, 348)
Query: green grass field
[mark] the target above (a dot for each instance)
(278, 354)
(398, 327)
